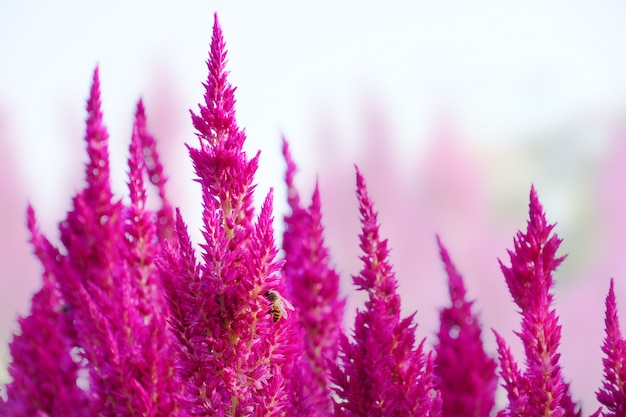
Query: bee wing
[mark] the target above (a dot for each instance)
(282, 309)
(282, 305)
(288, 304)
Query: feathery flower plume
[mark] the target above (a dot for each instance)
(148, 158)
(230, 352)
(514, 383)
(110, 295)
(382, 373)
(313, 287)
(540, 390)
(43, 371)
(466, 376)
(613, 392)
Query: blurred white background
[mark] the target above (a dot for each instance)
(452, 109)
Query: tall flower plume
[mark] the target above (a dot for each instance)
(466, 375)
(540, 390)
(229, 350)
(43, 371)
(313, 287)
(111, 299)
(381, 372)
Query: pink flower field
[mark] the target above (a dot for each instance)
(326, 310)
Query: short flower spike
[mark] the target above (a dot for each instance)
(613, 392)
(466, 375)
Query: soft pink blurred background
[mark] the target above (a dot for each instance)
(450, 110)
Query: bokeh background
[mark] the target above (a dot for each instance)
(451, 109)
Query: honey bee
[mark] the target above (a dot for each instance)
(279, 305)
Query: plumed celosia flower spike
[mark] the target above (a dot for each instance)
(513, 381)
(467, 377)
(90, 236)
(224, 170)
(89, 231)
(313, 288)
(97, 138)
(43, 371)
(529, 279)
(613, 392)
(216, 121)
(382, 372)
(145, 232)
(230, 351)
(109, 287)
(148, 156)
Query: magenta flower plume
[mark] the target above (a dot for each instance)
(466, 376)
(613, 392)
(529, 278)
(313, 287)
(111, 297)
(43, 371)
(230, 351)
(146, 156)
(382, 372)
(514, 383)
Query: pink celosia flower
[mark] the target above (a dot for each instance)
(613, 392)
(467, 377)
(145, 158)
(514, 383)
(43, 371)
(381, 372)
(111, 298)
(230, 352)
(540, 390)
(313, 287)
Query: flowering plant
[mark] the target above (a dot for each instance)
(132, 320)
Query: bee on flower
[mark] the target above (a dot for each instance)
(279, 305)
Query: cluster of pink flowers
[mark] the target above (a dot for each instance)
(133, 320)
